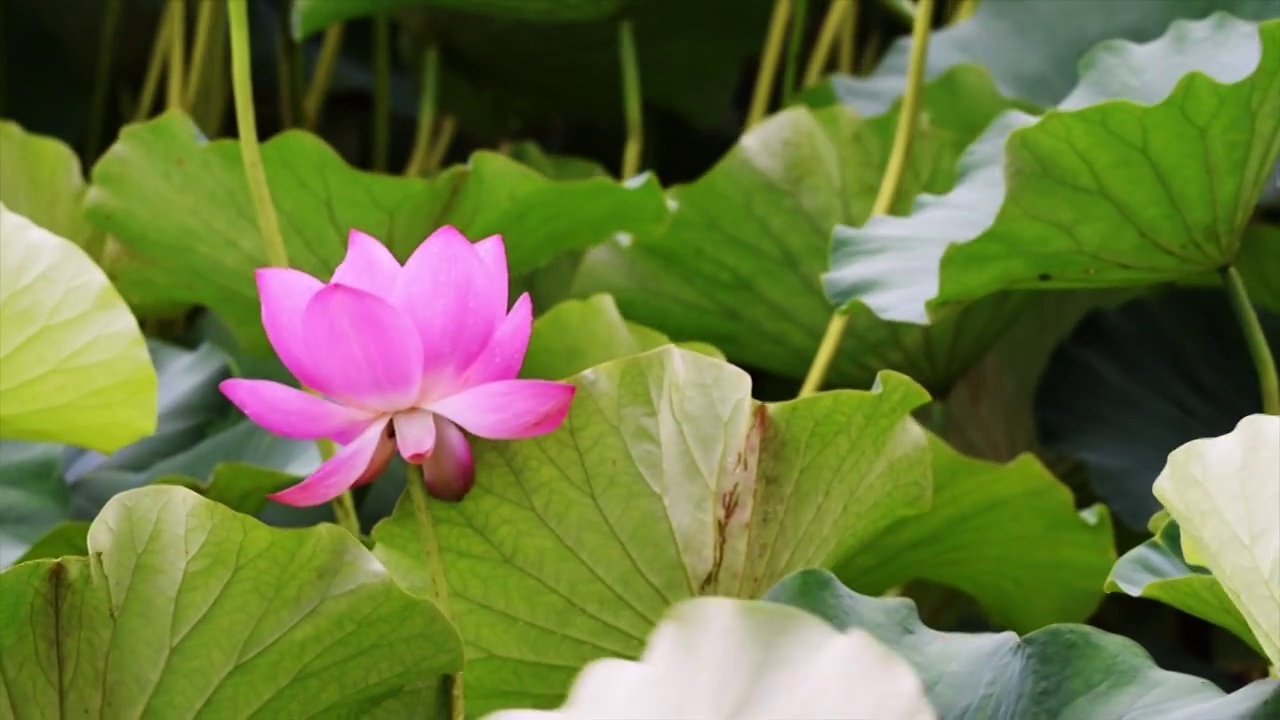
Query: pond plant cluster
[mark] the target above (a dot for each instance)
(519, 359)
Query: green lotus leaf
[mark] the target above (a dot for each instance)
(73, 364)
(1061, 672)
(1148, 172)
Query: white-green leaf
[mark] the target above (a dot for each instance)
(723, 659)
(1224, 492)
(74, 367)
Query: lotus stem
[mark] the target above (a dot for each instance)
(321, 76)
(426, 112)
(440, 145)
(1255, 338)
(848, 38)
(889, 183)
(200, 51)
(799, 16)
(633, 108)
(832, 24)
(177, 52)
(156, 64)
(769, 62)
(416, 487)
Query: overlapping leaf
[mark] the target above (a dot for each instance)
(1062, 671)
(666, 482)
(185, 607)
(40, 178)
(1157, 570)
(183, 206)
(738, 264)
(1149, 172)
(989, 532)
(1223, 492)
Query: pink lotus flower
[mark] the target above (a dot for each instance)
(405, 357)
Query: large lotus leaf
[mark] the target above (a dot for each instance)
(73, 364)
(184, 607)
(690, 55)
(993, 531)
(738, 265)
(40, 178)
(1134, 382)
(1224, 491)
(1157, 570)
(665, 482)
(577, 334)
(1104, 192)
(182, 205)
(1062, 672)
(723, 659)
(1033, 47)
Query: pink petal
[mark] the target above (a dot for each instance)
(285, 293)
(352, 463)
(449, 472)
(415, 434)
(292, 413)
(369, 266)
(509, 409)
(364, 352)
(493, 253)
(502, 359)
(454, 300)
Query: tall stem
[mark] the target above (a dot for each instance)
(323, 73)
(205, 27)
(889, 183)
(769, 62)
(848, 38)
(426, 111)
(417, 491)
(102, 78)
(159, 55)
(821, 55)
(247, 127)
(632, 106)
(440, 145)
(177, 51)
(799, 18)
(381, 91)
(1256, 339)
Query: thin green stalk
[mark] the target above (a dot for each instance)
(849, 38)
(799, 19)
(219, 91)
(205, 27)
(426, 112)
(177, 54)
(102, 78)
(323, 73)
(155, 66)
(255, 174)
(417, 490)
(632, 103)
(889, 183)
(821, 55)
(284, 78)
(440, 145)
(247, 127)
(381, 91)
(769, 62)
(1259, 350)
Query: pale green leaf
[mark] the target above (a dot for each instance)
(40, 178)
(1224, 492)
(73, 364)
(724, 659)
